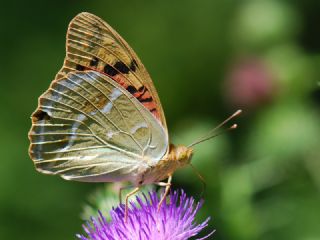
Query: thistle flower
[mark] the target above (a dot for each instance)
(104, 198)
(174, 220)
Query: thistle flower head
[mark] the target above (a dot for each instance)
(175, 220)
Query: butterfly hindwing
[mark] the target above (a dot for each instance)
(93, 45)
(88, 127)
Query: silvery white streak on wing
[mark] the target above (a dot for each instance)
(55, 97)
(74, 128)
(113, 96)
(108, 168)
(107, 107)
(93, 113)
(50, 124)
(111, 133)
(56, 108)
(42, 137)
(138, 126)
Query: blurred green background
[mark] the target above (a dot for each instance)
(207, 58)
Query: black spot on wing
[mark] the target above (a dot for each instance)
(40, 115)
(142, 90)
(108, 69)
(131, 89)
(94, 62)
(121, 67)
(79, 67)
(133, 65)
(149, 99)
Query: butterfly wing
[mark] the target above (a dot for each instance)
(89, 128)
(93, 44)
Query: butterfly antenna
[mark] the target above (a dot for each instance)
(213, 133)
(203, 181)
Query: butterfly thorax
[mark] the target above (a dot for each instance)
(177, 157)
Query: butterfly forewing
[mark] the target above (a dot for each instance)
(88, 127)
(93, 44)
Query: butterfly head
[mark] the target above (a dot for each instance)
(181, 154)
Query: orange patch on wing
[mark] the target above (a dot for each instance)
(121, 80)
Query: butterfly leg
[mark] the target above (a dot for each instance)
(167, 185)
(127, 200)
(120, 192)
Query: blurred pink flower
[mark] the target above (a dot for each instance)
(249, 84)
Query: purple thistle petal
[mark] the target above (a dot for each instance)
(175, 220)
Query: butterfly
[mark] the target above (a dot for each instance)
(101, 119)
